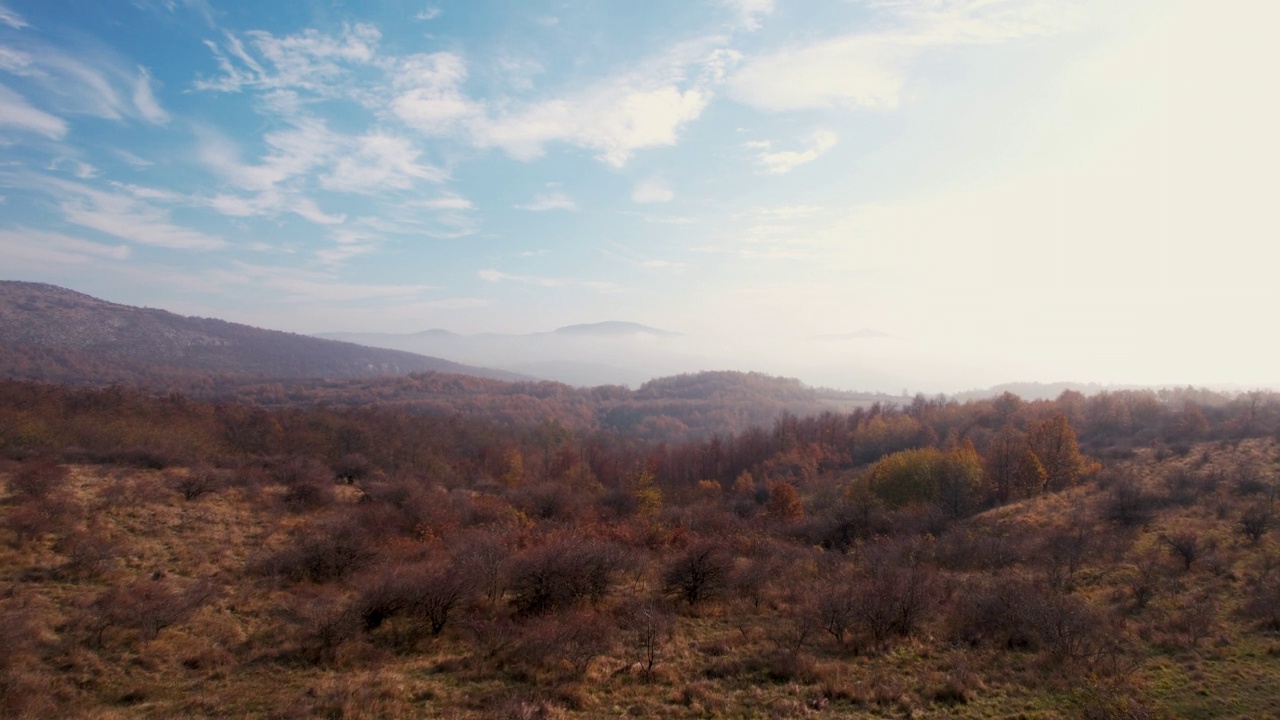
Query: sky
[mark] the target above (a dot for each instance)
(1012, 190)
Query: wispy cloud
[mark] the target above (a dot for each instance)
(377, 163)
(448, 202)
(310, 60)
(16, 112)
(652, 190)
(497, 276)
(749, 13)
(123, 215)
(664, 265)
(145, 100)
(306, 155)
(56, 248)
(132, 159)
(431, 12)
(644, 107)
(784, 161)
(11, 18)
(85, 81)
(868, 69)
(308, 286)
(556, 200)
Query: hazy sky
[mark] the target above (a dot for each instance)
(1021, 189)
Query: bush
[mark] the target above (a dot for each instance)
(1255, 522)
(37, 479)
(147, 606)
(701, 573)
(322, 552)
(563, 645)
(195, 482)
(563, 572)
(425, 592)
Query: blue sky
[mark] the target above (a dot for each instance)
(1013, 189)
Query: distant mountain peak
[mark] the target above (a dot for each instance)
(50, 332)
(612, 328)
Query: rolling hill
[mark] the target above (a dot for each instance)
(55, 334)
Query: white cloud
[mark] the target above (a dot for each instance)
(135, 222)
(126, 216)
(448, 202)
(556, 200)
(497, 276)
(430, 13)
(652, 191)
(856, 71)
(145, 100)
(310, 60)
(430, 97)
(368, 164)
(868, 69)
(16, 61)
(749, 12)
(16, 112)
(644, 107)
(85, 81)
(47, 247)
(132, 159)
(336, 256)
(379, 163)
(615, 119)
(11, 18)
(787, 160)
(664, 265)
(310, 287)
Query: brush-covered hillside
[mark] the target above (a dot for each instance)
(164, 557)
(58, 335)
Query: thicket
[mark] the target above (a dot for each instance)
(1046, 542)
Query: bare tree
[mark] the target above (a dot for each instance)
(651, 627)
(1255, 522)
(702, 572)
(1185, 544)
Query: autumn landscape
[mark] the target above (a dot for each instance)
(191, 540)
(576, 359)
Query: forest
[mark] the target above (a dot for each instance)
(180, 555)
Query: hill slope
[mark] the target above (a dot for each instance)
(51, 333)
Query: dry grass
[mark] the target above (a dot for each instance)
(1199, 657)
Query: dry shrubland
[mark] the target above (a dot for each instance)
(996, 558)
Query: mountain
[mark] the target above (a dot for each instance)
(612, 328)
(51, 333)
(612, 352)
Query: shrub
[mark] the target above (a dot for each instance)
(1255, 522)
(196, 481)
(425, 592)
(1127, 503)
(701, 573)
(563, 572)
(650, 628)
(322, 552)
(147, 606)
(564, 645)
(37, 479)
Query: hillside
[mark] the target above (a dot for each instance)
(585, 355)
(167, 558)
(54, 334)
